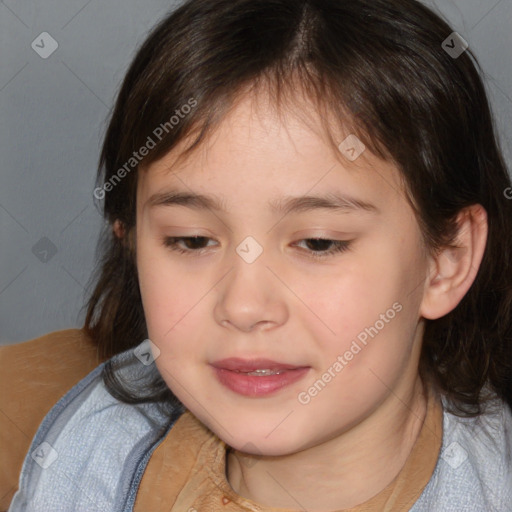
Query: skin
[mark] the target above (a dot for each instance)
(352, 438)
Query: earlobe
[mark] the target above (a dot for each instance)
(118, 228)
(453, 270)
(125, 235)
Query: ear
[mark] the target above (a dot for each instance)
(127, 236)
(453, 270)
(118, 228)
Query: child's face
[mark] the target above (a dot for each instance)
(284, 306)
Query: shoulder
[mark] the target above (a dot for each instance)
(474, 469)
(58, 358)
(37, 348)
(41, 370)
(35, 375)
(89, 446)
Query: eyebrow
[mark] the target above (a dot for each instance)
(284, 206)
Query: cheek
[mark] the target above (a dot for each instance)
(164, 292)
(356, 376)
(366, 318)
(174, 305)
(340, 306)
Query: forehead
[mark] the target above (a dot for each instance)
(257, 151)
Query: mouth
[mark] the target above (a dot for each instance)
(257, 377)
(261, 372)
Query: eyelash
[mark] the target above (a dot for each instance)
(171, 242)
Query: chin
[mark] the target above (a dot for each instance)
(260, 441)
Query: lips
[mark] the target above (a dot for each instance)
(257, 377)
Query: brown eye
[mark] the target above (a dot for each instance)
(192, 243)
(323, 247)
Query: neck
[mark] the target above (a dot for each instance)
(342, 472)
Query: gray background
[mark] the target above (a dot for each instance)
(54, 114)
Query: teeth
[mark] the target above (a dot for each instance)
(264, 372)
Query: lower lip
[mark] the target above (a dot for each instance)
(251, 385)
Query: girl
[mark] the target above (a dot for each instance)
(306, 300)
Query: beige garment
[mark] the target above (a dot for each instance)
(186, 472)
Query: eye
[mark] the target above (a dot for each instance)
(321, 247)
(316, 247)
(192, 243)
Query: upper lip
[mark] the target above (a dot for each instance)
(249, 365)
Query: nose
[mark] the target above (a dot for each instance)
(251, 297)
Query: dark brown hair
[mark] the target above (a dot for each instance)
(376, 66)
